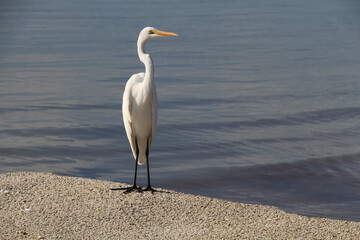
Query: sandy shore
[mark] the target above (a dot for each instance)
(47, 206)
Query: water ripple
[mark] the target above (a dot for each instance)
(83, 133)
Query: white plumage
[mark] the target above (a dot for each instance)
(139, 114)
(139, 105)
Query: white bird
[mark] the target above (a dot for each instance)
(139, 107)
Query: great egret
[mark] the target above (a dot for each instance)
(139, 107)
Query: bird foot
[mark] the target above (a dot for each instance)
(149, 188)
(129, 189)
(138, 189)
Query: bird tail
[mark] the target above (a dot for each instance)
(142, 158)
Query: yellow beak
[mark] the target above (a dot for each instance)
(165, 34)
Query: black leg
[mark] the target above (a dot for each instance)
(148, 188)
(136, 162)
(133, 187)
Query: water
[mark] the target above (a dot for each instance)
(258, 100)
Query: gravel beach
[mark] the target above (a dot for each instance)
(48, 206)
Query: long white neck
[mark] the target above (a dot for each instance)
(146, 59)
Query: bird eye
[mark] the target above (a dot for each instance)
(151, 32)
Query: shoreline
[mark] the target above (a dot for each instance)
(48, 206)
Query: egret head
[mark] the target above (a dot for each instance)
(150, 32)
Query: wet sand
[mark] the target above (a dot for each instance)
(48, 206)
